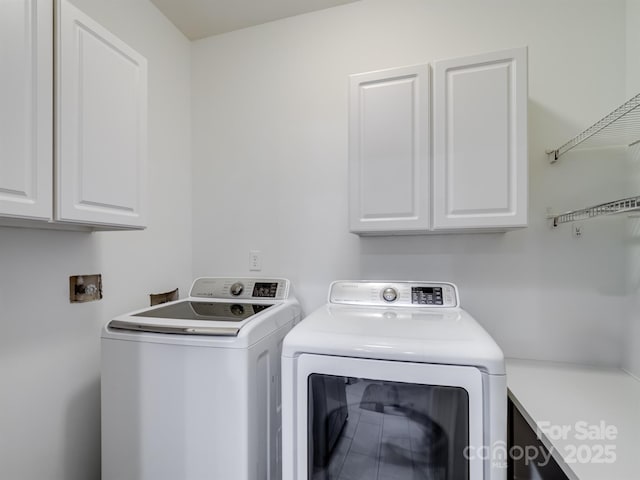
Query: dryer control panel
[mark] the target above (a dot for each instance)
(401, 294)
(240, 288)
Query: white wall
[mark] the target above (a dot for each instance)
(270, 163)
(269, 119)
(632, 357)
(49, 349)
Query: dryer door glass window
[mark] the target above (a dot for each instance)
(371, 429)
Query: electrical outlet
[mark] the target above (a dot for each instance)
(255, 260)
(576, 230)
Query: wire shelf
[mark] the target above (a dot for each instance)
(620, 127)
(625, 205)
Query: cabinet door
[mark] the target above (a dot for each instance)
(389, 150)
(480, 141)
(101, 124)
(26, 102)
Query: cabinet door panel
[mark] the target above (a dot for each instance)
(26, 100)
(480, 141)
(101, 156)
(389, 149)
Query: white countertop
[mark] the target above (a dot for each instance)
(601, 402)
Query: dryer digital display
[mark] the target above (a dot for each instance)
(426, 295)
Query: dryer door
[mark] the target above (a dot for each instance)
(373, 419)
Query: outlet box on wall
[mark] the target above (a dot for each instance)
(85, 288)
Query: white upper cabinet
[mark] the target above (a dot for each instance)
(389, 150)
(480, 141)
(96, 176)
(101, 91)
(465, 172)
(26, 101)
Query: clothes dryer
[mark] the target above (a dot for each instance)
(191, 388)
(393, 380)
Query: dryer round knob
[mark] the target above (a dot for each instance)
(236, 289)
(389, 294)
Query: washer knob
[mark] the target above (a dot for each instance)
(389, 294)
(236, 289)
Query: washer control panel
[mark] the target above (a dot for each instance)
(402, 294)
(240, 288)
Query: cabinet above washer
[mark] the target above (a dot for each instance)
(82, 164)
(444, 158)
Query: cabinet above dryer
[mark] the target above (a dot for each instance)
(82, 164)
(449, 157)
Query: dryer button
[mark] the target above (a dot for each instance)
(389, 294)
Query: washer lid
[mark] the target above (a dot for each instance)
(207, 311)
(188, 317)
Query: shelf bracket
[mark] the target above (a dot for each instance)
(553, 155)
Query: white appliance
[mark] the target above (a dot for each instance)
(393, 380)
(191, 389)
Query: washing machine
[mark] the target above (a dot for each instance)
(191, 388)
(393, 380)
